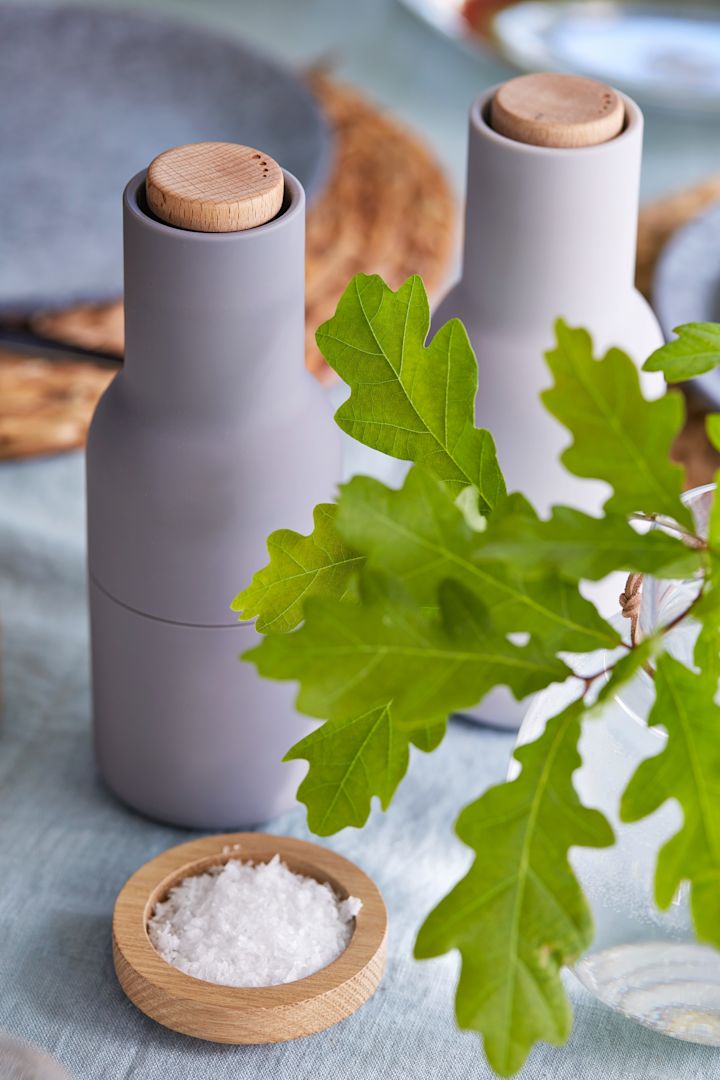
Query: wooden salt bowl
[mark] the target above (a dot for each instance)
(228, 1014)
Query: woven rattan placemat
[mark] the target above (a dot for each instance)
(46, 405)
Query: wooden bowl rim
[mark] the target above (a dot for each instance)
(141, 892)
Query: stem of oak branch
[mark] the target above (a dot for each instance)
(672, 526)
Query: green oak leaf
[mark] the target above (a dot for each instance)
(352, 658)
(618, 436)
(694, 351)
(417, 535)
(706, 609)
(578, 546)
(713, 533)
(712, 426)
(352, 760)
(468, 504)
(706, 654)
(409, 400)
(320, 564)
(686, 769)
(519, 915)
(428, 737)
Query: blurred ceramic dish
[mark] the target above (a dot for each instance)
(662, 54)
(21, 1061)
(89, 98)
(687, 283)
(466, 21)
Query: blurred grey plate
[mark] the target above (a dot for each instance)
(687, 283)
(88, 99)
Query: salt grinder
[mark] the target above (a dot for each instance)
(550, 230)
(211, 435)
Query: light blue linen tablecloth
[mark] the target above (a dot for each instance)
(66, 847)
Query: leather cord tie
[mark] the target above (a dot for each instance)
(630, 601)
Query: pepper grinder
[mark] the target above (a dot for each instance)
(210, 434)
(550, 230)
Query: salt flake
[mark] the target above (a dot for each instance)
(245, 924)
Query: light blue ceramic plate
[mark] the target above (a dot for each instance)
(687, 283)
(87, 99)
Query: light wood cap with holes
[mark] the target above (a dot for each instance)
(214, 187)
(557, 110)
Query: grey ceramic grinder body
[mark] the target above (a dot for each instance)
(210, 437)
(549, 232)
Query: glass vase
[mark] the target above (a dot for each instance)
(643, 962)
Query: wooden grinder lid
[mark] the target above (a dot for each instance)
(214, 187)
(557, 110)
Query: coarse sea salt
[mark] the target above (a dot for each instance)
(246, 924)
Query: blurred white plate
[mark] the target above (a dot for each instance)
(664, 54)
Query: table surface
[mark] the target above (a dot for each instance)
(66, 846)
